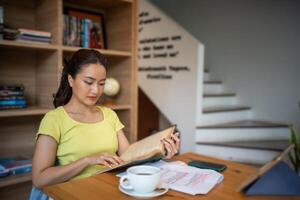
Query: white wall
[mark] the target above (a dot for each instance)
(177, 97)
(251, 45)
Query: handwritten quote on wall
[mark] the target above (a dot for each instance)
(163, 47)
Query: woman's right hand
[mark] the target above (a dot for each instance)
(108, 160)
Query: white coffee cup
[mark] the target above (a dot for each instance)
(142, 179)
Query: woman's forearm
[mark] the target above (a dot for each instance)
(59, 174)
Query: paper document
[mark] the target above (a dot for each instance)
(190, 180)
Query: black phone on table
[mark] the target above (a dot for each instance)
(207, 165)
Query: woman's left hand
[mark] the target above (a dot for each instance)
(171, 144)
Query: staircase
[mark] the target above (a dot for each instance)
(212, 120)
(227, 129)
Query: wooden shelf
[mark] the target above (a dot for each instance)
(127, 1)
(99, 3)
(103, 51)
(15, 179)
(28, 45)
(31, 110)
(43, 47)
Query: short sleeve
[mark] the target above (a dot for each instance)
(114, 120)
(49, 126)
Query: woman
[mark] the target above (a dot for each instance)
(79, 138)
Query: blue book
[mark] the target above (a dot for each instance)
(14, 102)
(86, 31)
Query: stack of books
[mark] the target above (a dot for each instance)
(29, 35)
(10, 34)
(12, 97)
(13, 166)
(83, 30)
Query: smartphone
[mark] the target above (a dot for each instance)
(207, 165)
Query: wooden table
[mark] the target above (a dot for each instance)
(105, 186)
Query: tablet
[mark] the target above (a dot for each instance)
(265, 168)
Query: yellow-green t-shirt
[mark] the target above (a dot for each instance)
(77, 140)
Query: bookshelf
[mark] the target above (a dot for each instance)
(39, 47)
(28, 111)
(109, 53)
(12, 180)
(38, 68)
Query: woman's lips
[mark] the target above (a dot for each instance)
(92, 97)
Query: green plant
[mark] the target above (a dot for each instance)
(294, 156)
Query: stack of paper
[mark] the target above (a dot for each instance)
(190, 180)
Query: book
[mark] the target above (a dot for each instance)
(11, 97)
(31, 35)
(146, 150)
(34, 39)
(12, 87)
(12, 107)
(7, 93)
(34, 32)
(13, 102)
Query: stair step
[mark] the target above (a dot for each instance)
(225, 109)
(212, 82)
(237, 154)
(215, 88)
(247, 130)
(223, 117)
(219, 95)
(245, 124)
(272, 145)
(219, 102)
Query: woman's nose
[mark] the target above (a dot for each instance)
(95, 89)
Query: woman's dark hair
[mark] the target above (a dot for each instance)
(78, 60)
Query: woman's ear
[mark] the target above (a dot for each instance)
(70, 80)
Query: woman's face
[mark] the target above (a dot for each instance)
(88, 84)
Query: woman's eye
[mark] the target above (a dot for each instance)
(89, 83)
(101, 84)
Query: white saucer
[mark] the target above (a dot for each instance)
(155, 193)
